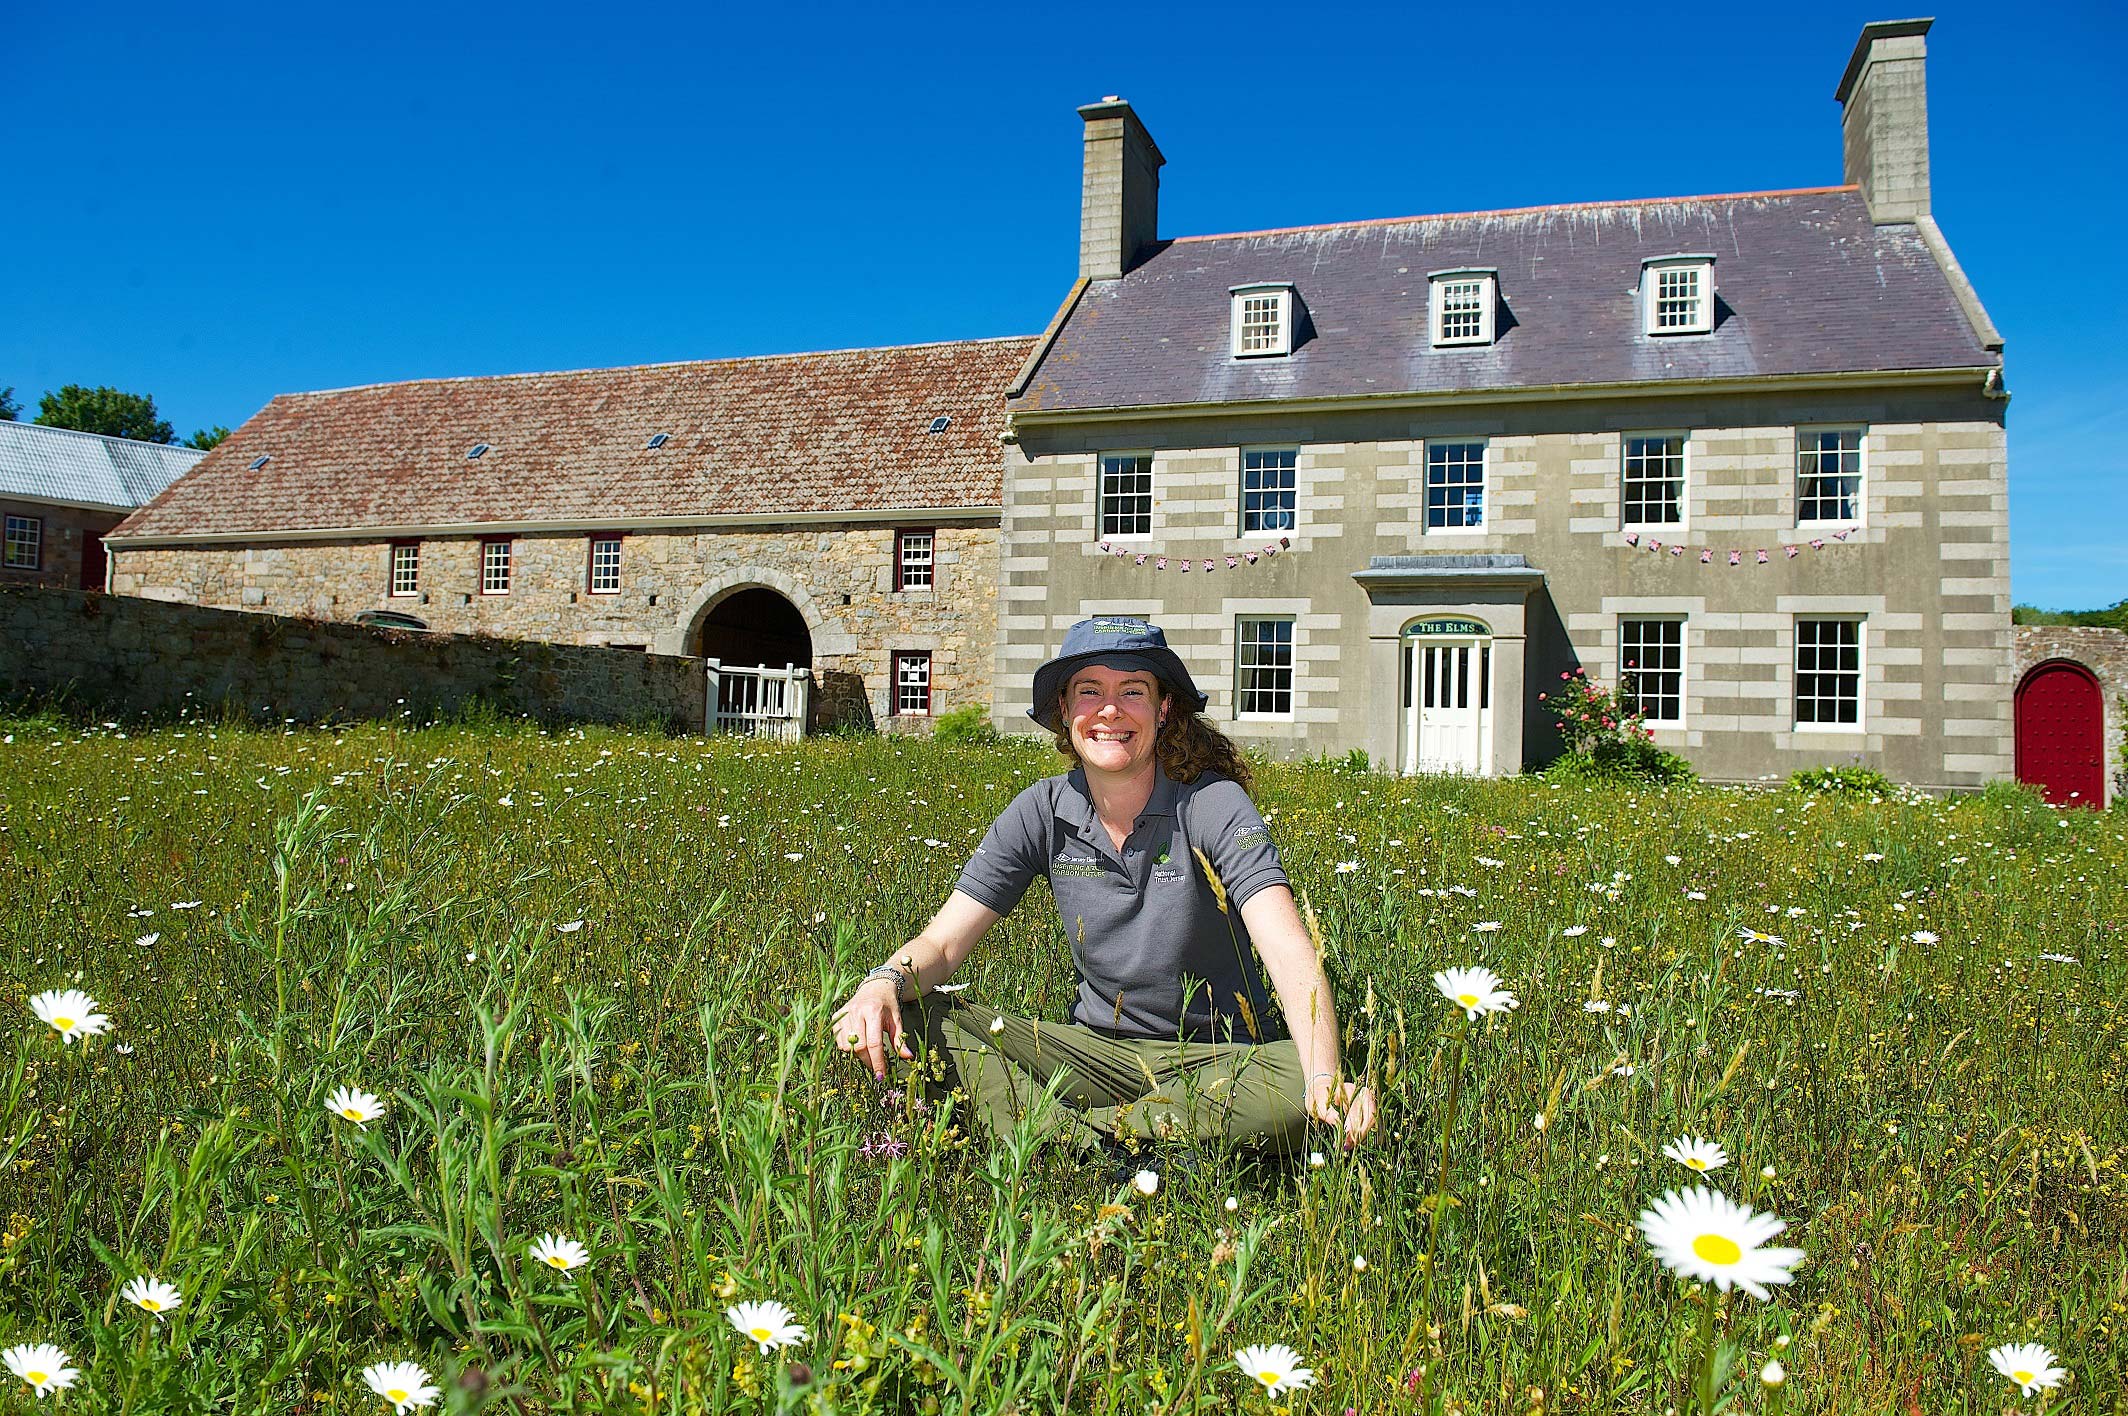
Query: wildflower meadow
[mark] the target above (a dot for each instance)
(477, 1067)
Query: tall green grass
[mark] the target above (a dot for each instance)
(1941, 1123)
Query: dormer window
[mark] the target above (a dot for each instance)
(1677, 294)
(1461, 305)
(1263, 320)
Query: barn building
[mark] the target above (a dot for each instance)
(62, 491)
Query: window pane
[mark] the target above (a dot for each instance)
(25, 542)
(1455, 486)
(495, 568)
(1829, 475)
(1267, 489)
(1651, 667)
(606, 566)
(1127, 496)
(1262, 321)
(915, 560)
(1264, 666)
(912, 682)
(1462, 310)
(1654, 482)
(1828, 671)
(1677, 297)
(406, 570)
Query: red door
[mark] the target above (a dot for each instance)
(2061, 734)
(91, 560)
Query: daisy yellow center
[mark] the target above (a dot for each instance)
(2021, 1376)
(63, 1024)
(1468, 1000)
(557, 1260)
(397, 1393)
(758, 1334)
(1268, 1378)
(1696, 1163)
(36, 1378)
(351, 1113)
(151, 1305)
(1717, 1249)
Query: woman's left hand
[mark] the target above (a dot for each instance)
(1345, 1105)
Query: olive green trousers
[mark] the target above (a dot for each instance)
(1107, 1087)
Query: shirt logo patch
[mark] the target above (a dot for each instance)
(1249, 836)
(1077, 867)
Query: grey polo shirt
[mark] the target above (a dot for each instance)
(1145, 928)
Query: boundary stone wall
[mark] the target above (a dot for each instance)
(2105, 653)
(118, 653)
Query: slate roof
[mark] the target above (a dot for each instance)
(61, 465)
(1806, 284)
(791, 433)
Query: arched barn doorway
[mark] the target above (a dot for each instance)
(2061, 733)
(757, 628)
(760, 654)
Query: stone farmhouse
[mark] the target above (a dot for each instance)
(1383, 483)
(61, 491)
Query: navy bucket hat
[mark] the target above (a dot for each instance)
(1115, 642)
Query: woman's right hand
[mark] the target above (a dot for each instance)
(869, 1022)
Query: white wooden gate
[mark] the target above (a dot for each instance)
(760, 702)
(1448, 706)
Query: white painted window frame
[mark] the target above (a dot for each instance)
(1485, 490)
(1102, 495)
(1651, 272)
(1241, 487)
(412, 568)
(1795, 673)
(916, 565)
(1684, 481)
(927, 658)
(1242, 643)
(591, 566)
(1280, 292)
(32, 537)
(1684, 664)
(488, 577)
(1861, 515)
(1438, 283)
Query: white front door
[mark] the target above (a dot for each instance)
(1448, 706)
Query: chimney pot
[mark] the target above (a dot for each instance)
(1883, 99)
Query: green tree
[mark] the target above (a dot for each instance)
(8, 407)
(206, 439)
(109, 411)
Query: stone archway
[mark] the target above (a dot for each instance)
(685, 634)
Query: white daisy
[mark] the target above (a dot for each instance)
(1923, 936)
(40, 1364)
(2028, 1364)
(570, 928)
(1695, 1154)
(151, 1295)
(1347, 867)
(1704, 1235)
(1490, 926)
(1475, 990)
(1596, 1005)
(1574, 931)
(1275, 1365)
(404, 1384)
(354, 1104)
(1146, 1183)
(766, 1322)
(70, 1012)
(557, 1252)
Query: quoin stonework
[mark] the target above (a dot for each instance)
(1382, 482)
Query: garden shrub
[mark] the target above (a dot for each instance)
(1861, 781)
(1607, 737)
(968, 723)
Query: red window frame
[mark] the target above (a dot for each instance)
(510, 567)
(591, 541)
(900, 657)
(900, 534)
(391, 570)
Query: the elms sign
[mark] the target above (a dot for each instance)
(1448, 627)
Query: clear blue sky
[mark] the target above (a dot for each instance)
(219, 204)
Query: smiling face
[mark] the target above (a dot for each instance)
(1113, 715)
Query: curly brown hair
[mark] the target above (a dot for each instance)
(1188, 745)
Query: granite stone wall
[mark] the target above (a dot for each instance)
(838, 576)
(121, 654)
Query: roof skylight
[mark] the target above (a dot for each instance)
(940, 424)
(478, 449)
(261, 460)
(658, 439)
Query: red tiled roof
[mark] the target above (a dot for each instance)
(792, 433)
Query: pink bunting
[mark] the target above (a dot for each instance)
(1817, 543)
(1185, 565)
(1706, 557)
(1141, 558)
(1208, 565)
(1632, 538)
(1841, 535)
(1793, 551)
(1677, 550)
(1736, 558)
(1104, 545)
(1232, 561)
(1249, 556)
(1654, 545)
(1160, 562)
(1761, 555)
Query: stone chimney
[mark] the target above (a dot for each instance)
(1119, 199)
(1884, 119)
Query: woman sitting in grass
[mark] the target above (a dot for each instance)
(1166, 880)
